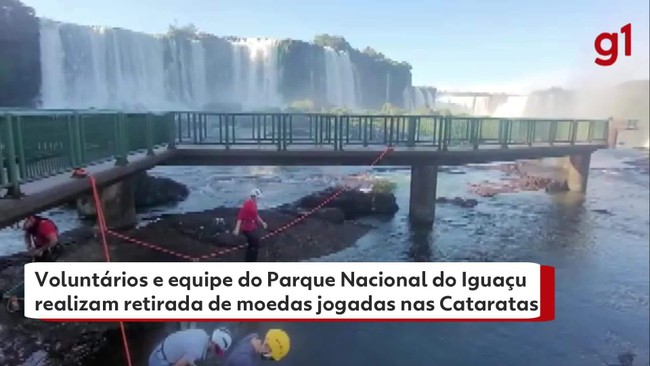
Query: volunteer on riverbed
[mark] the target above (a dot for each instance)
(185, 347)
(252, 349)
(247, 224)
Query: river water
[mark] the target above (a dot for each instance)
(601, 260)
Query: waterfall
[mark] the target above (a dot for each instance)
(108, 68)
(340, 79)
(419, 97)
(474, 105)
(256, 76)
(514, 107)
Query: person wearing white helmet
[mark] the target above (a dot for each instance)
(247, 220)
(185, 347)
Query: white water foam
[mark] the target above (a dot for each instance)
(474, 105)
(514, 107)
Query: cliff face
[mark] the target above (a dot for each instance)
(373, 82)
(20, 72)
(86, 67)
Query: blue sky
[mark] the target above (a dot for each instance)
(452, 44)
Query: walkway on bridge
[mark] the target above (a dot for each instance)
(38, 149)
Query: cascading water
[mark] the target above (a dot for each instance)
(419, 97)
(255, 70)
(341, 81)
(514, 107)
(107, 68)
(474, 105)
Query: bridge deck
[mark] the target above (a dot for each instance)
(356, 155)
(59, 189)
(56, 190)
(38, 149)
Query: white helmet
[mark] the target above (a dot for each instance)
(256, 192)
(222, 338)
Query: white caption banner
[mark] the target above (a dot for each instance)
(339, 290)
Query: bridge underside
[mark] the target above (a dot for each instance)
(193, 156)
(58, 190)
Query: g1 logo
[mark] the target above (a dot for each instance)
(610, 55)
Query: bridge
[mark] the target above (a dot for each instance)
(39, 149)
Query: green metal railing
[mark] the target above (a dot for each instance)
(339, 131)
(39, 144)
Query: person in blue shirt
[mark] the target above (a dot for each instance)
(185, 347)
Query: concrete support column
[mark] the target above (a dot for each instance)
(118, 203)
(578, 172)
(612, 136)
(422, 202)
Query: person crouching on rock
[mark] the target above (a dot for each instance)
(274, 347)
(247, 224)
(41, 238)
(185, 347)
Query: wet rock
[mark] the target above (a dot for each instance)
(458, 201)
(602, 211)
(353, 203)
(153, 191)
(330, 214)
(198, 234)
(557, 187)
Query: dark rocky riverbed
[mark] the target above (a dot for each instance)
(327, 230)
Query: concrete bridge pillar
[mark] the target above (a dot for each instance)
(578, 172)
(118, 202)
(422, 202)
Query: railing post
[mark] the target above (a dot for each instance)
(4, 164)
(285, 123)
(80, 137)
(412, 128)
(120, 158)
(337, 132)
(279, 129)
(20, 148)
(574, 132)
(552, 132)
(195, 129)
(171, 130)
(149, 134)
(72, 141)
(12, 167)
(446, 133)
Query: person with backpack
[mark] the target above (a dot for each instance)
(41, 238)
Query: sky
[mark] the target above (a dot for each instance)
(471, 45)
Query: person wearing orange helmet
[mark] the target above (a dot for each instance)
(251, 349)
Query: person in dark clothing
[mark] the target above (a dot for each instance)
(247, 225)
(41, 238)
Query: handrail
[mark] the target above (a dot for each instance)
(35, 144)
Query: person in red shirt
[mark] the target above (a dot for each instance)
(41, 238)
(247, 225)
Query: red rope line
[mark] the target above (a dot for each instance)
(103, 229)
(101, 221)
(221, 252)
